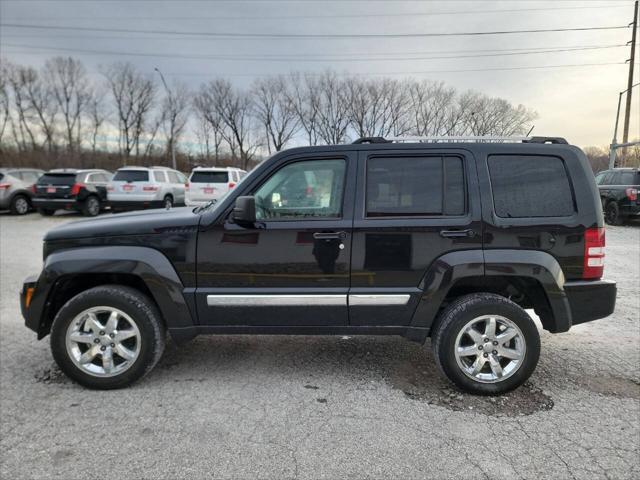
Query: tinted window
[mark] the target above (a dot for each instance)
(57, 179)
(415, 186)
(209, 177)
(627, 178)
(310, 189)
(530, 186)
(600, 177)
(131, 176)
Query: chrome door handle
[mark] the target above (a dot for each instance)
(330, 235)
(457, 233)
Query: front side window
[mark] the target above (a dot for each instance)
(415, 186)
(530, 186)
(301, 190)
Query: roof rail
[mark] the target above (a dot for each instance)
(463, 139)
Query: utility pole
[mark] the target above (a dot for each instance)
(173, 138)
(627, 113)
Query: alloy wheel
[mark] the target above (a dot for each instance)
(21, 205)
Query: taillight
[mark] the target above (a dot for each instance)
(631, 193)
(5, 186)
(75, 190)
(232, 184)
(150, 188)
(186, 186)
(34, 188)
(110, 188)
(593, 253)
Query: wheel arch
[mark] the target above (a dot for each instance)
(69, 272)
(530, 278)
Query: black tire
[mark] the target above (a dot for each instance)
(46, 212)
(91, 206)
(454, 318)
(612, 214)
(20, 205)
(130, 301)
(167, 202)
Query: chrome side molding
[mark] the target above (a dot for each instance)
(359, 299)
(276, 300)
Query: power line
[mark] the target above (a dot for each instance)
(309, 35)
(301, 58)
(320, 16)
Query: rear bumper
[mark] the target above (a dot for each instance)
(630, 210)
(55, 203)
(135, 204)
(590, 300)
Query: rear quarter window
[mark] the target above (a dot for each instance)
(530, 186)
(131, 176)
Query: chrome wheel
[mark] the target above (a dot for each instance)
(490, 349)
(103, 341)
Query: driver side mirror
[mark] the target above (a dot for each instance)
(244, 211)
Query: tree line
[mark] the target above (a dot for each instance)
(58, 113)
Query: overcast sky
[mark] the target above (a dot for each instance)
(577, 102)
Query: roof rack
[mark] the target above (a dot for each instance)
(463, 139)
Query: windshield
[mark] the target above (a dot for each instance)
(209, 177)
(131, 176)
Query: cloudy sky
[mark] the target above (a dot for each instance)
(571, 78)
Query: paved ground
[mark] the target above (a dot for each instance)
(300, 407)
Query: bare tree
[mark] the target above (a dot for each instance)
(333, 109)
(134, 96)
(211, 122)
(175, 111)
(274, 108)
(5, 99)
(70, 88)
(304, 98)
(97, 117)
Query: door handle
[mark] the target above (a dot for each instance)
(330, 235)
(457, 233)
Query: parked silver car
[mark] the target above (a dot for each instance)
(16, 189)
(136, 188)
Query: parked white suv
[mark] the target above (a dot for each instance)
(211, 183)
(135, 188)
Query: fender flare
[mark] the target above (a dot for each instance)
(151, 266)
(445, 271)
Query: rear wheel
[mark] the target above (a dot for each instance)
(107, 337)
(486, 344)
(91, 206)
(20, 205)
(612, 214)
(46, 212)
(168, 202)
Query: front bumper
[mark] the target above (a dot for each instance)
(590, 299)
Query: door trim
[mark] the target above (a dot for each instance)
(267, 300)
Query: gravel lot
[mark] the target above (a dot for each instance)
(321, 407)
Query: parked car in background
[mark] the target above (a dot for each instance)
(619, 194)
(211, 183)
(70, 189)
(137, 188)
(16, 189)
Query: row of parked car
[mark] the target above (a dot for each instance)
(91, 191)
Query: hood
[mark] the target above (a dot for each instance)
(134, 223)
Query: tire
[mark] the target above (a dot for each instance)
(138, 325)
(449, 334)
(91, 206)
(20, 205)
(612, 214)
(46, 212)
(167, 202)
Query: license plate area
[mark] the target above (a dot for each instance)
(51, 189)
(208, 190)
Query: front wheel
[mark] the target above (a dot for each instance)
(107, 337)
(486, 344)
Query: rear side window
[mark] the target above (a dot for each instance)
(415, 186)
(209, 177)
(530, 186)
(131, 176)
(159, 177)
(627, 178)
(57, 179)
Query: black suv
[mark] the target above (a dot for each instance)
(619, 194)
(451, 241)
(69, 189)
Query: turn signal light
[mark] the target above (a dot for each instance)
(28, 295)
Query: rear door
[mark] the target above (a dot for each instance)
(127, 184)
(412, 207)
(207, 185)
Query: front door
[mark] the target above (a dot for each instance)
(292, 267)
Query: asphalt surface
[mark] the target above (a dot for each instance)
(321, 407)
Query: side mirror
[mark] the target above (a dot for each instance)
(244, 211)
